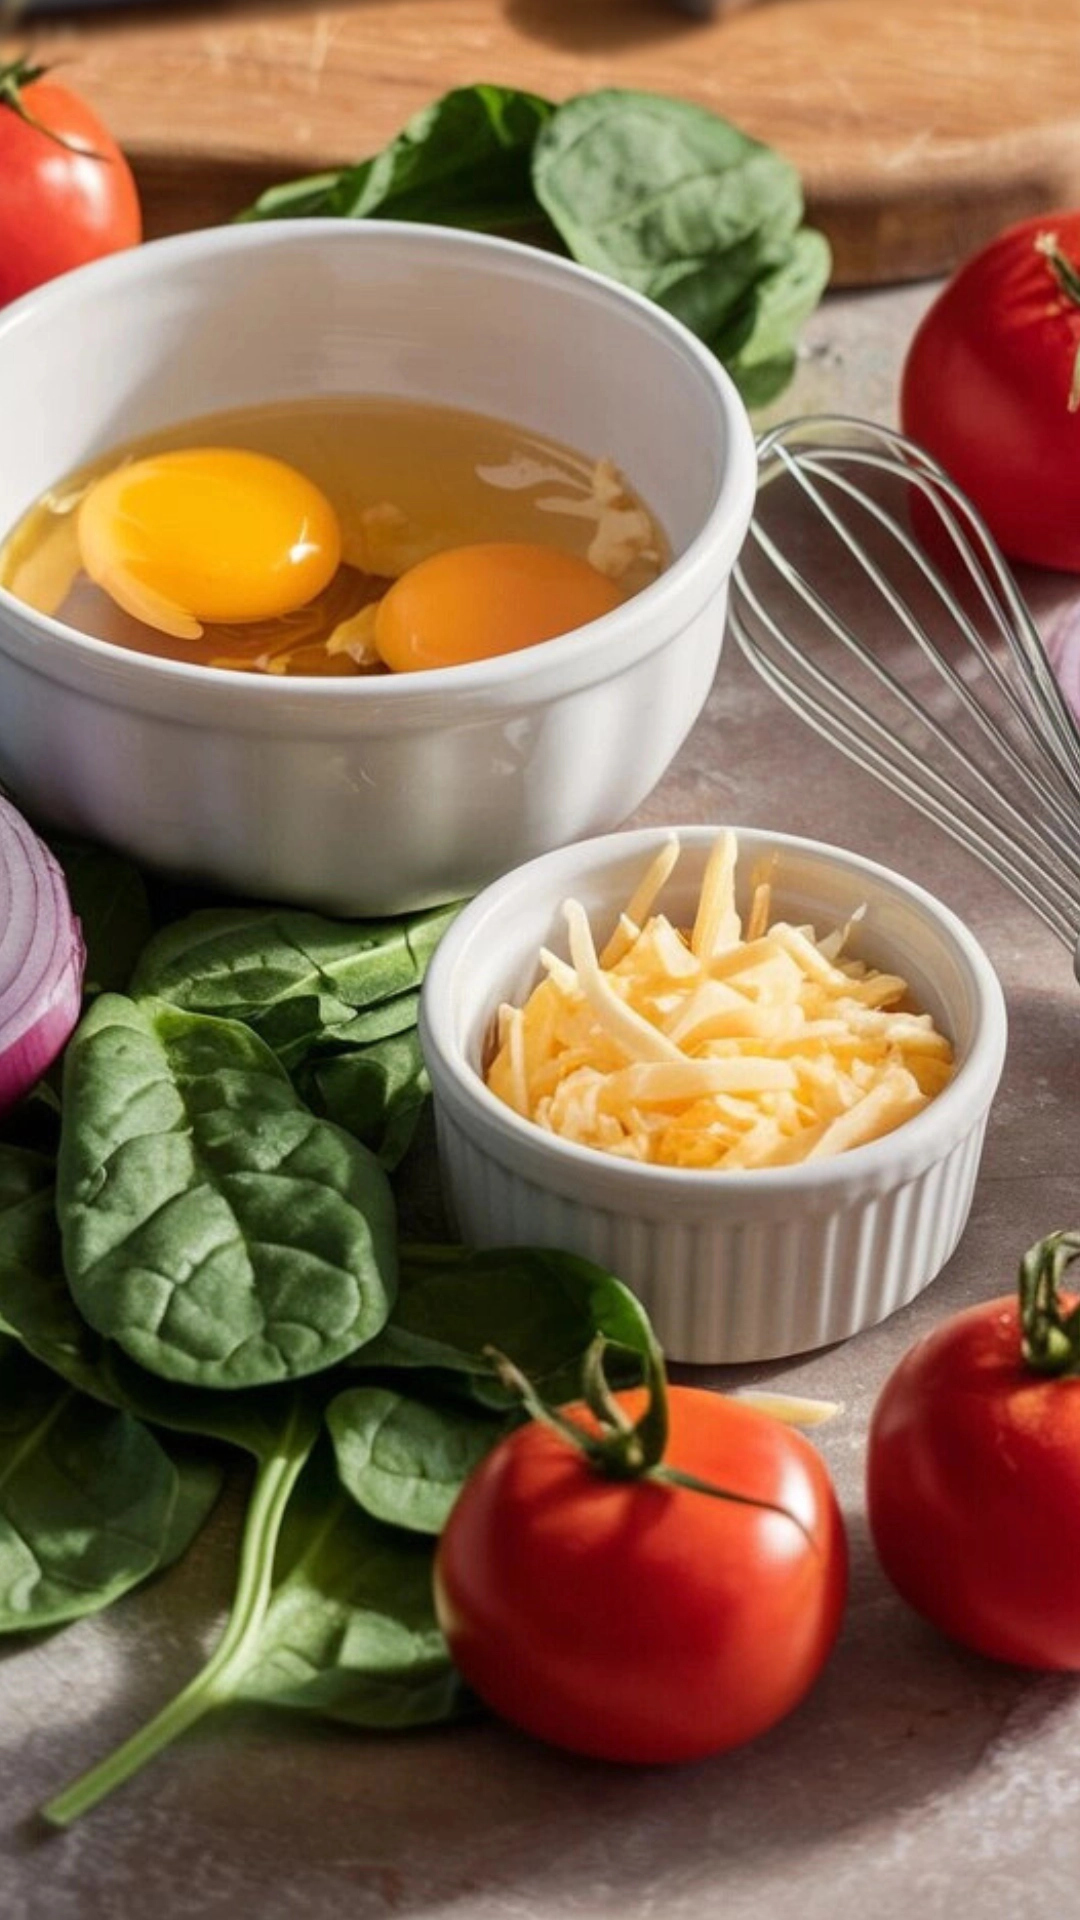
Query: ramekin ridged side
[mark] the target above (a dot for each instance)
(720, 1289)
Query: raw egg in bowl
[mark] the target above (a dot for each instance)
(261, 643)
(210, 533)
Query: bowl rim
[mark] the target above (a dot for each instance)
(587, 1173)
(713, 547)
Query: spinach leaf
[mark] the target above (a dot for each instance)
(463, 161)
(677, 203)
(541, 1308)
(332, 1613)
(211, 1225)
(300, 1032)
(110, 899)
(90, 1502)
(406, 1460)
(37, 1309)
(377, 1092)
(298, 979)
(762, 360)
(636, 182)
(35, 1304)
(275, 1478)
(350, 1629)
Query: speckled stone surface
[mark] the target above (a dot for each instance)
(916, 1780)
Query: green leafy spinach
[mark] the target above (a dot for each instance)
(299, 980)
(463, 161)
(543, 1308)
(403, 1459)
(90, 1502)
(377, 1092)
(209, 1255)
(668, 198)
(213, 1226)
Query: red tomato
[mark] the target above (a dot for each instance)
(973, 1489)
(636, 1620)
(990, 387)
(68, 194)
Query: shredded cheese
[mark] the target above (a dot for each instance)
(717, 1047)
(717, 926)
(794, 1409)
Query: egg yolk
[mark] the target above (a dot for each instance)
(208, 534)
(472, 602)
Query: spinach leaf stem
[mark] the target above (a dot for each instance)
(214, 1685)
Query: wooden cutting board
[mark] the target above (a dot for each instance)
(919, 126)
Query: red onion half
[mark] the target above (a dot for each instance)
(41, 958)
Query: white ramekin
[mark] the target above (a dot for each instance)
(375, 795)
(730, 1266)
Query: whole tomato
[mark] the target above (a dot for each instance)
(653, 1578)
(991, 387)
(973, 1485)
(66, 191)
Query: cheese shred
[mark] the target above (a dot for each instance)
(715, 1047)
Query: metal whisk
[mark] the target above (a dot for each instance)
(872, 599)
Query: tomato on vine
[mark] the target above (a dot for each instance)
(68, 194)
(973, 1478)
(651, 1575)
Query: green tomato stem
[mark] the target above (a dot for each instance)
(1066, 277)
(674, 1477)
(15, 77)
(621, 1449)
(625, 1449)
(1050, 1337)
(214, 1685)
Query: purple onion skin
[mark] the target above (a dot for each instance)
(42, 958)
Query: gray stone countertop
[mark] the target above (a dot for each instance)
(916, 1780)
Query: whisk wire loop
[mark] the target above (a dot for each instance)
(900, 769)
(887, 680)
(800, 472)
(987, 574)
(929, 673)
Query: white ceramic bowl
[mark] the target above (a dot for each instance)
(370, 795)
(730, 1266)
